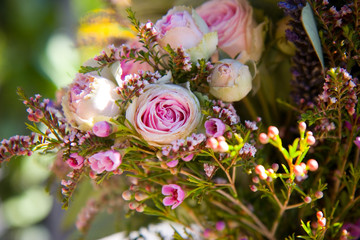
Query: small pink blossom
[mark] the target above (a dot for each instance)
(215, 127)
(175, 195)
(102, 129)
(105, 161)
(75, 161)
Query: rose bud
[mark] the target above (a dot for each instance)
(90, 99)
(237, 30)
(230, 80)
(102, 129)
(183, 27)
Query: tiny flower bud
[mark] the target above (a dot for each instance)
(253, 188)
(212, 143)
(259, 169)
(307, 199)
(302, 126)
(309, 133)
(322, 221)
(92, 175)
(272, 132)
(139, 196)
(319, 214)
(102, 129)
(270, 170)
(133, 205)
(263, 176)
(319, 194)
(39, 114)
(223, 146)
(140, 208)
(275, 167)
(126, 195)
(263, 138)
(310, 140)
(255, 180)
(298, 170)
(312, 164)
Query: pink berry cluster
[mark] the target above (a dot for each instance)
(136, 195)
(218, 144)
(321, 220)
(264, 174)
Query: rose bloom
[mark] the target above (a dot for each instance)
(230, 80)
(105, 161)
(124, 67)
(183, 27)
(90, 99)
(164, 113)
(237, 30)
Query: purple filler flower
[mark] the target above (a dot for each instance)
(175, 195)
(214, 127)
(75, 161)
(102, 129)
(105, 161)
(357, 142)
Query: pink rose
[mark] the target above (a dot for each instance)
(175, 193)
(124, 68)
(164, 113)
(237, 30)
(183, 27)
(90, 99)
(105, 161)
(215, 127)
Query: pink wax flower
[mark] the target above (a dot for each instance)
(175, 193)
(215, 127)
(105, 161)
(102, 129)
(237, 30)
(90, 99)
(164, 113)
(75, 161)
(183, 27)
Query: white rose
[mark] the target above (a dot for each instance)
(230, 80)
(90, 99)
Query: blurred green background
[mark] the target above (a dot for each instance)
(38, 53)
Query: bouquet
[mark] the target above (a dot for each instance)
(222, 119)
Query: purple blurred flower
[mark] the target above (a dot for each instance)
(105, 161)
(215, 127)
(357, 142)
(353, 229)
(75, 161)
(175, 195)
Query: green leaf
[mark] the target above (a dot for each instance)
(308, 20)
